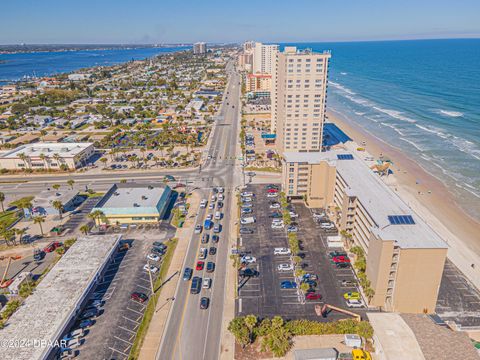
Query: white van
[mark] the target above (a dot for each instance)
(247, 220)
(218, 215)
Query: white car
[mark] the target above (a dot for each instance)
(354, 303)
(211, 206)
(285, 267)
(272, 195)
(220, 190)
(274, 206)
(248, 259)
(218, 215)
(220, 197)
(281, 251)
(246, 199)
(213, 198)
(319, 215)
(277, 226)
(203, 203)
(202, 254)
(153, 257)
(207, 282)
(293, 214)
(247, 220)
(209, 217)
(153, 269)
(247, 194)
(198, 229)
(327, 226)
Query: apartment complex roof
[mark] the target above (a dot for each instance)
(377, 198)
(45, 314)
(66, 150)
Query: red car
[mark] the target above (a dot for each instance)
(313, 296)
(341, 259)
(52, 246)
(138, 296)
(200, 265)
(272, 191)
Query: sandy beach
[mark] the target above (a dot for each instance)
(428, 197)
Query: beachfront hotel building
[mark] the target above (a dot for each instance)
(133, 203)
(264, 58)
(48, 156)
(258, 84)
(404, 256)
(298, 99)
(200, 48)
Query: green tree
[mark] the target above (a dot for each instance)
(56, 186)
(239, 329)
(57, 205)
(250, 321)
(70, 183)
(96, 216)
(85, 229)
(39, 220)
(278, 341)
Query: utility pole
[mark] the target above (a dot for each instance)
(150, 276)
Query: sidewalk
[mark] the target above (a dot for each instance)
(154, 334)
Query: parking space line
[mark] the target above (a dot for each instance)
(124, 328)
(116, 337)
(118, 351)
(127, 318)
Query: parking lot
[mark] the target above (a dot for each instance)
(263, 295)
(79, 216)
(114, 331)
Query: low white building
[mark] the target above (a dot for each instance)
(47, 156)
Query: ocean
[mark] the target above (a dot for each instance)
(422, 97)
(16, 66)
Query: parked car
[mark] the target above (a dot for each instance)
(292, 228)
(276, 215)
(287, 284)
(274, 205)
(159, 251)
(88, 314)
(153, 257)
(285, 267)
(138, 297)
(247, 194)
(210, 266)
(246, 199)
(348, 283)
(198, 229)
(277, 226)
(86, 323)
(245, 230)
(187, 274)
(272, 191)
(248, 272)
(327, 226)
(247, 210)
(336, 253)
(351, 295)
(311, 283)
(218, 215)
(248, 259)
(293, 214)
(354, 303)
(247, 220)
(313, 296)
(152, 269)
(200, 265)
(340, 259)
(52, 246)
(160, 245)
(272, 195)
(204, 302)
(281, 251)
(209, 217)
(342, 265)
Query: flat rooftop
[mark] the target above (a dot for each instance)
(133, 198)
(45, 313)
(48, 149)
(377, 198)
(46, 197)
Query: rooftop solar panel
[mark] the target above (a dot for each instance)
(401, 220)
(345, 157)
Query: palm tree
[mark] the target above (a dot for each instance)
(85, 229)
(104, 161)
(56, 186)
(43, 132)
(25, 159)
(96, 215)
(39, 220)
(70, 183)
(250, 321)
(58, 159)
(57, 204)
(2, 199)
(20, 233)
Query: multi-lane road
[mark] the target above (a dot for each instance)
(193, 333)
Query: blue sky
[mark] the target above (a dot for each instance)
(167, 21)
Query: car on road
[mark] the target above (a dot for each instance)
(200, 265)
(205, 238)
(38, 255)
(52, 246)
(351, 295)
(196, 285)
(215, 238)
(248, 272)
(354, 303)
(217, 228)
(245, 230)
(272, 195)
(221, 197)
(208, 224)
(152, 269)
(281, 251)
(207, 283)
(209, 217)
(220, 190)
(203, 203)
(218, 215)
(276, 215)
(274, 205)
(287, 284)
(213, 198)
(247, 259)
(210, 266)
(219, 204)
(211, 206)
(285, 267)
(86, 323)
(138, 297)
(198, 229)
(313, 296)
(204, 302)
(187, 274)
(212, 250)
(292, 229)
(153, 257)
(336, 253)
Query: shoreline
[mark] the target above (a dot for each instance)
(427, 196)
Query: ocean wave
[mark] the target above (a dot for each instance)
(359, 113)
(450, 113)
(395, 114)
(358, 101)
(413, 144)
(391, 126)
(343, 73)
(341, 87)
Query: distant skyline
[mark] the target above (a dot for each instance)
(217, 21)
